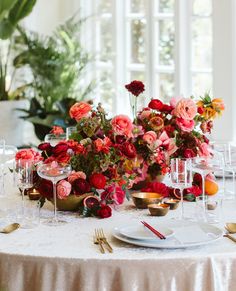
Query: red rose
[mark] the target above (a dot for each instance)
(129, 150)
(63, 158)
(135, 87)
(60, 148)
(46, 189)
(200, 110)
(189, 153)
(97, 180)
(169, 129)
(166, 108)
(155, 104)
(45, 146)
(104, 211)
(80, 186)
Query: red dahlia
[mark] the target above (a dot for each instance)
(135, 87)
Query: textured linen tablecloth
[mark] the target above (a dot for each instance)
(64, 258)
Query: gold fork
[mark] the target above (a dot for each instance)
(104, 239)
(97, 240)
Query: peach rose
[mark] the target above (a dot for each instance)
(175, 100)
(185, 125)
(76, 175)
(145, 114)
(185, 109)
(122, 125)
(150, 137)
(29, 155)
(79, 110)
(63, 189)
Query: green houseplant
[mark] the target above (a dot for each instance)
(58, 64)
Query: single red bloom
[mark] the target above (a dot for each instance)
(200, 110)
(189, 153)
(46, 189)
(57, 130)
(60, 148)
(129, 150)
(104, 212)
(98, 180)
(80, 186)
(155, 104)
(135, 87)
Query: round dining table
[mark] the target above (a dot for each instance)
(65, 258)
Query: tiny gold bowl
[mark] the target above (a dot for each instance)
(142, 199)
(158, 209)
(173, 203)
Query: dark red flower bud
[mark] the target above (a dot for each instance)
(81, 186)
(155, 104)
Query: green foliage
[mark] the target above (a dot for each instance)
(58, 64)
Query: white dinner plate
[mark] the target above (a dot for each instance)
(186, 234)
(139, 231)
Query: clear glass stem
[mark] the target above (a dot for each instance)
(55, 200)
(23, 202)
(203, 195)
(182, 203)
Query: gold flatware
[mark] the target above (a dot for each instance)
(230, 237)
(104, 239)
(230, 227)
(10, 228)
(97, 240)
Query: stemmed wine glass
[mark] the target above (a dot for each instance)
(54, 172)
(181, 177)
(54, 139)
(24, 179)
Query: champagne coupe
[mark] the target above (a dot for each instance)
(24, 179)
(54, 139)
(181, 177)
(54, 172)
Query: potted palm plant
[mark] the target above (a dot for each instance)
(11, 13)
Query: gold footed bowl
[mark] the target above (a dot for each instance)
(143, 199)
(71, 203)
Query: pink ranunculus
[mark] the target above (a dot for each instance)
(145, 114)
(185, 109)
(76, 175)
(172, 147)
(28, 155)
(150, 137)
(122, 125)
(174, 100)
(185, 125)
(63, 189)
(114, 194)
(204, 150)
(80, 110)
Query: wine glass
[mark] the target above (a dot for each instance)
(69, 131)
(181, 177)
(54, 139)
(54, 172)
(24, 180)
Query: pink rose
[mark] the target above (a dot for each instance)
(145, 114)
(204, 150)
(114, 194)
(150, 137)
(29, 155)
(122, 125)
(76, 175)
(185, 125)
(79, 110)
(186, 109)
(63, 189)
(175, 100)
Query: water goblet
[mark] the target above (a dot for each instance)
(69, 131)
(54, 139)
(54, 172)
(181, 178)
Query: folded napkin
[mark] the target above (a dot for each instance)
(191, 234)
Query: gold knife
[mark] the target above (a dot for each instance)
(110, 249)
(230, 237)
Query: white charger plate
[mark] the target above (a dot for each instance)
(186, 234)
(140, 232)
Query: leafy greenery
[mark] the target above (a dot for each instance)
(58, 64)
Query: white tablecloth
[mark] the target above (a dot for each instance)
(64, 258)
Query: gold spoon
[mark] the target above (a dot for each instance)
(10, 228)
(231, 227)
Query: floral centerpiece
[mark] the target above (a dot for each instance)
(109, 156)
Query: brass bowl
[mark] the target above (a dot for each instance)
(142, 199)
(71, 203)
(158, 209)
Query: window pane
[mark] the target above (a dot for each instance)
(202, 43)
(166, 42)
(202, 82)
(166, 6)
(138, 41)
(105, 40)
(166, 86)
(106, 89)
(137, 6)
(202, 7)
(104, 6)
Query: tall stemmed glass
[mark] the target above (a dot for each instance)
(54, 139)
(54, 172)
(181, 177)
(24, 178)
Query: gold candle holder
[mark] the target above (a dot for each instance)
(159, 209)
(173, 203)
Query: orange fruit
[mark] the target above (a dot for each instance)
(211, 187)
(91, 201)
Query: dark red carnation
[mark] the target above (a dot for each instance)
(189, 153)
(120, 139)
(60, 148)
(104, 211)
(129, 150)
(45, 146)
(97, 181)
(46, 188)
(80, 186)
(135, 87)
(155, 104)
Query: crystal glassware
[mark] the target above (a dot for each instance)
(69, 131)
(54, 139)
(54, 172)
(181, 177)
